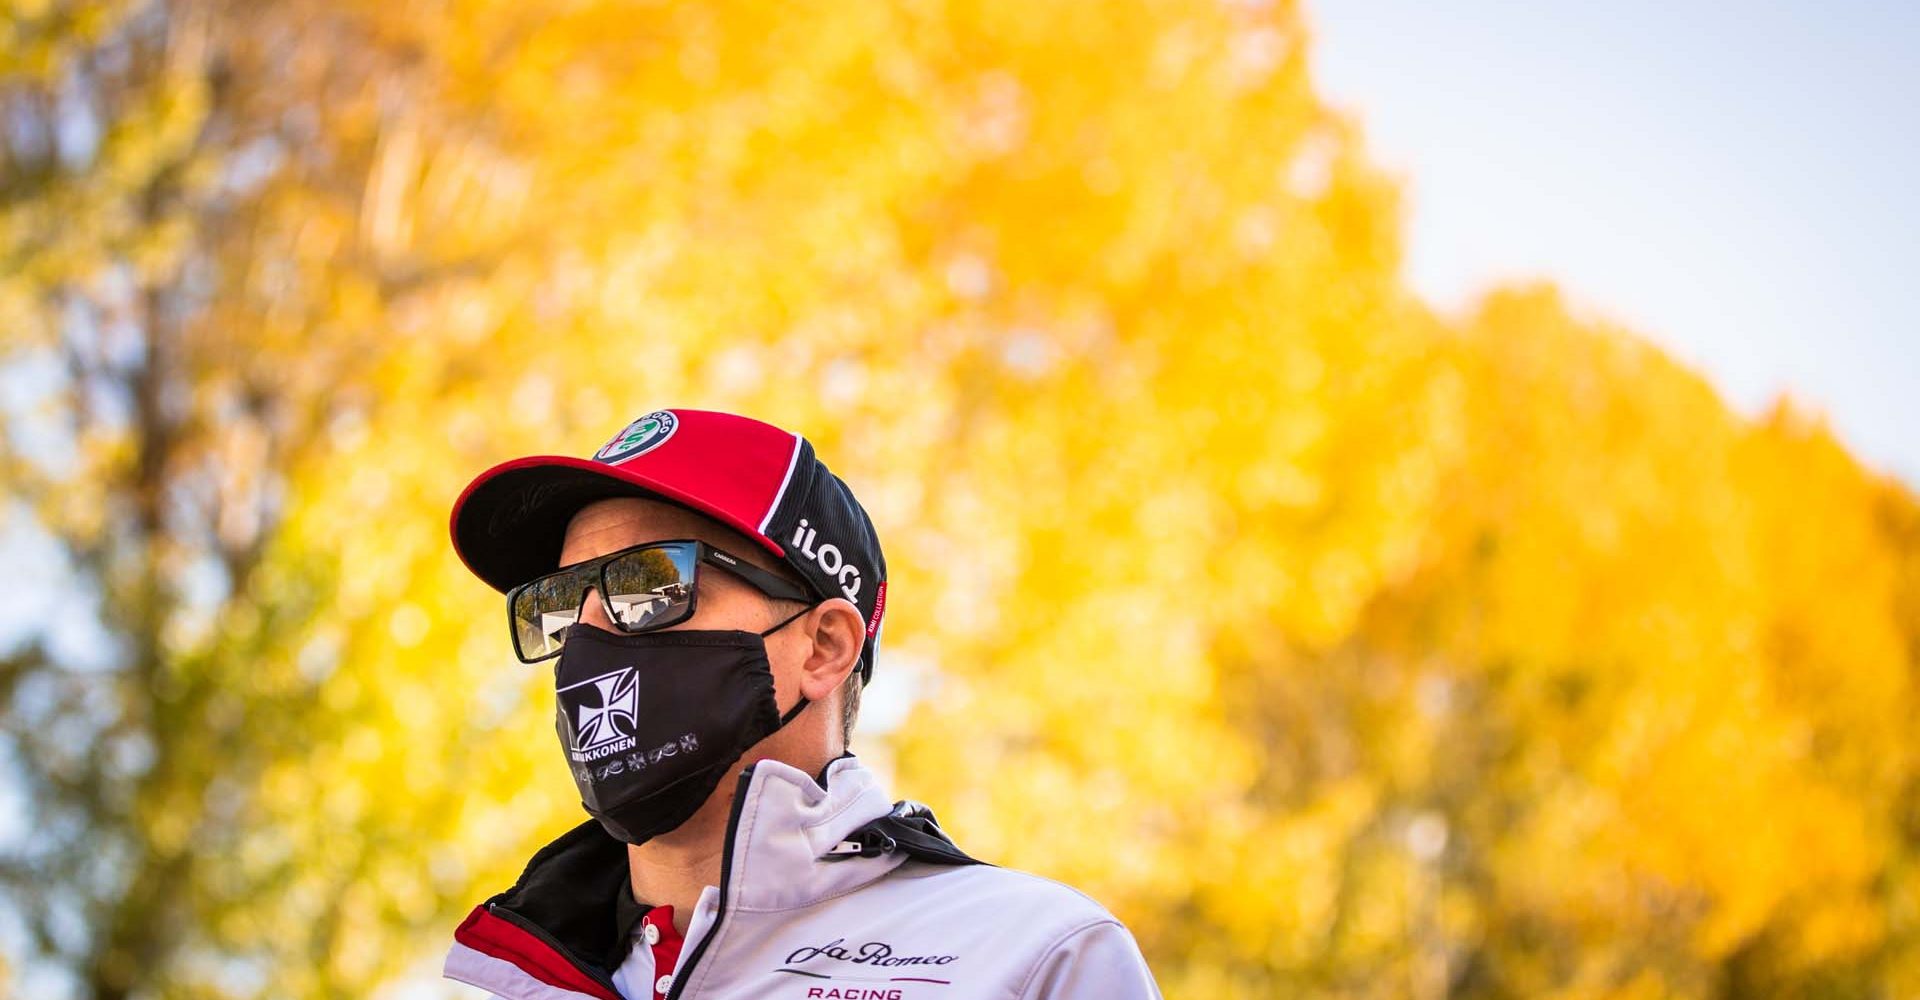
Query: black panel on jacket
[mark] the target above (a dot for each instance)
(572, 891)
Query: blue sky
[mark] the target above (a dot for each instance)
(1739, 183)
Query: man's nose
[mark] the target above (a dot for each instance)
(593, 611)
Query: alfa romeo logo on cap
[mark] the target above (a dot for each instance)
(641, 436)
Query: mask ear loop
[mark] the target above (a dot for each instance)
(800, 705)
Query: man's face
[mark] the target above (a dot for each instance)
(810, 657)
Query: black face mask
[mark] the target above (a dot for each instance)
(650, 723)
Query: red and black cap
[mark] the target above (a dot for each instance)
(753, 477)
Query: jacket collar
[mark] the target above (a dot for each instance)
(786, 825)
(567, 923)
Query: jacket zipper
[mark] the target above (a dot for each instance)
(680, 976)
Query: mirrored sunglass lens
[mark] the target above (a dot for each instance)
(544, 609)
(651, 586)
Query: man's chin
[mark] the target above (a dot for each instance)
(709, 822)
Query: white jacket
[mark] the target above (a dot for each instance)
(827, 892)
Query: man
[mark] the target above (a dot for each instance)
(711, 597)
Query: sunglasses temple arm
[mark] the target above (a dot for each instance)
(767, 582)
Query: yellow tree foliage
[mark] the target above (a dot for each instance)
(1343, 649)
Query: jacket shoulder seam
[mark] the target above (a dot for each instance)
(1090, 901)
(1041, 961)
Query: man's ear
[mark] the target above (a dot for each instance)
(837, 632)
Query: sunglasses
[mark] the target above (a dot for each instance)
(642, 588)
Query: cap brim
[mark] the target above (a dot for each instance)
(508, 525)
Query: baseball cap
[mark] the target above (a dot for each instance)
(753, 477)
